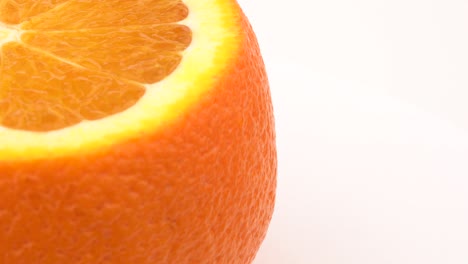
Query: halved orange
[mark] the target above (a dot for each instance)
(132, 132)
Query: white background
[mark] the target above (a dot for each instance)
(371, 101)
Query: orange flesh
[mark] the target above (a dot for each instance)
(68, 66)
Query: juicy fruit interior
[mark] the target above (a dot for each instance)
(59, 67)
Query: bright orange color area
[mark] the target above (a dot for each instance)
(182, 170)
(102, 60)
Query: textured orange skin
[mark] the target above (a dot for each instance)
(201, 190)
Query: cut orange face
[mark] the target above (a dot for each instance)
(135, 131)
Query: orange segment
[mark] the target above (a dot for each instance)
(144, 54)
(83, 14)
(93, 63)
(42, 93)
(17, 11)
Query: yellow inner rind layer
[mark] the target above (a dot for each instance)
(214, 45)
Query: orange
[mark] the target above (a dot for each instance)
(132, 132)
